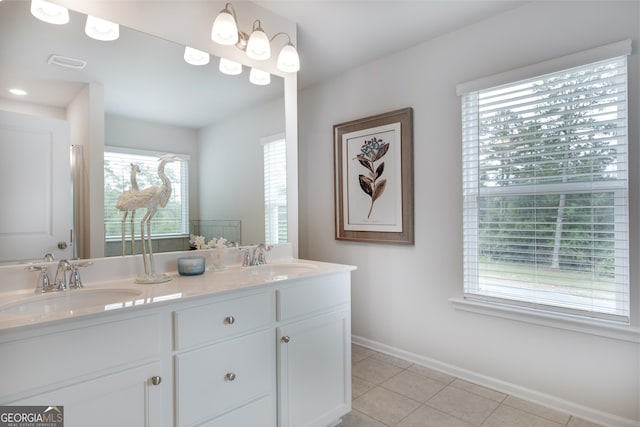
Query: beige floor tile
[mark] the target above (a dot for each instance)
(358, 419)
(400, 363)
(425, 416)
(506, 416)
(384, 405)
(479, 390)
(414, 386)
(374, 371)
(432, 373)
(578, 422)
(358, 353)
(462, 404)
(534, 408)
(359, 386)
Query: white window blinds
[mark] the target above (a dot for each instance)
(275, 191)
(171, 220)
(545, 192)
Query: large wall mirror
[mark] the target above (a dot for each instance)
(144, 97)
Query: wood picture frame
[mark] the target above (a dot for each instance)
(373, 178)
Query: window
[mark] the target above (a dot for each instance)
(172, 220)
(545, 192)
(275, 190)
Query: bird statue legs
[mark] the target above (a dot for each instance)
(150, 275)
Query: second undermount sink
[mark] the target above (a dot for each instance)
(55, 302)
(279, 271)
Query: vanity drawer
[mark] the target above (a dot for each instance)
(313, 295)
(207, 323)
(221, 377)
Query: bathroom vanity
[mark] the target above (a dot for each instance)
(267, 345)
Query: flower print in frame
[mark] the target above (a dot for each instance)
(374, 178)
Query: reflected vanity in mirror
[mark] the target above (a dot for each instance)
(136, 94)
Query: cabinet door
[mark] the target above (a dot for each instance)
(125, 399)
(314, 359)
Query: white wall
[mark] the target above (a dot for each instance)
(401, 293)
(231, 167)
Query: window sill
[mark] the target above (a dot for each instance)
(553, 320)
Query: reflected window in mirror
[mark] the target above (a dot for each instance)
(275, 189)
(127, 170)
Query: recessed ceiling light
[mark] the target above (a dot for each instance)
(17, 91)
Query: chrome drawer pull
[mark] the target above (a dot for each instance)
(285, 339)
(230, 376)
(156, 380)
(229, 320)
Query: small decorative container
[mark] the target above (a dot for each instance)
(191, 266)
(217, 260)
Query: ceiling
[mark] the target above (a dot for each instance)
(333, 36)
(336, 35)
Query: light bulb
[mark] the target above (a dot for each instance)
(195, 57)
(288, 59)
(258, 46)
(225, 30)
(230, 67)
(259, 77)
(101, 29)
(49, 12)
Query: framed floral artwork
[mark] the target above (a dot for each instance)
(374, 178)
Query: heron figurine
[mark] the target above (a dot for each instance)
(150, 198)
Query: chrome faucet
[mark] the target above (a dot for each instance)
(60, 281)
(257, 256)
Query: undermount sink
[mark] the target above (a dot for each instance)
(55, 302)
(280, 271)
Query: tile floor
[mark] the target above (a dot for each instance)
(388, 391)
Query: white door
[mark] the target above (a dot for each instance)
(35, 187)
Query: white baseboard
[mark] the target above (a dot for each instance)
(580, 411)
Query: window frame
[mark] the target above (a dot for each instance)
(551, 317)
(274, 211)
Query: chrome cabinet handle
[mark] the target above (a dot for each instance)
(229, 320)
(230, 376)
(285, 339)
(156, 380)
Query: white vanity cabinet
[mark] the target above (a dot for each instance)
(103, 374)
(225, 363)
(272, 354)
(314, 352)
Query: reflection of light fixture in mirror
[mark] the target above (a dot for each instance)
(230, 67)
(49, 12)
(225, 29)
(257, 46)
(259, 77)
(101, 29)
(16, 91)
(195, 57)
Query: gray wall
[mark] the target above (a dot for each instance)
(401, 293)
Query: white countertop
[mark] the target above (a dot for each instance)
(138, 296)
